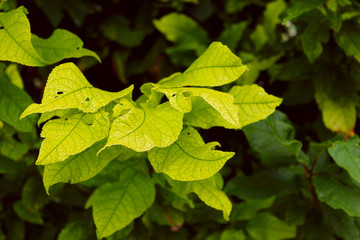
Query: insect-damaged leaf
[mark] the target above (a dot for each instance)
(68, 88)
(78, 133)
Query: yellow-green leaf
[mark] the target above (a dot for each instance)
(180, 99)
(66, 137)
(191, 159)
(215, 67)
(208, 192)
(253, 104)
(338, 117)
(141, 129)
(20, 46)
(83, 166)
(68, 88)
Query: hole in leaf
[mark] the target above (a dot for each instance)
(77, 48)
(59, 92)
(174, 95)
(1, 27)
(186, 94)
(87, 99)
(188, 133)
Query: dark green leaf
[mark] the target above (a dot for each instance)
(299, 7)
(347, 156)
(338, 195)
(262, 185)
(266, 226)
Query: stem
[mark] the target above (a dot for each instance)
(309, 173)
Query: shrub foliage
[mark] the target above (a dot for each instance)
(188, 119)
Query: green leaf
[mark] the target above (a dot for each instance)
(347, 156)
(116, 205)
(11, 148)
(337, 116)
(26, 214)
(338, 195)
(117, 29)
(33, 194)
(231, 234)
(8, 166)
(72, 231)
(271, 18)
(262, 184)
(217, 66)
(78, 133)
(253, 104)
(208, 192)
(232, 35)
(191, 159)
(61, 113)
(13, 101)
(299, 7)
(273, 136)
(141, 129)
(312, 38)
(344, 226)
(255, 67)
(60, 45)
(247, 210)
(348, 39)
(259, 37)
(14, 75)
(83, 166)
(223, 103)
(18, 45)
(266, 226)
(68, 88)
(181, 29)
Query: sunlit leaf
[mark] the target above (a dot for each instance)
(191, 159)
(78, 133)
(19, 45)
(141, 129)
(83, 166)
(68, 88)
(215, 67)
(208, 192)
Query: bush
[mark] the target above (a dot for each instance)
(132, 150)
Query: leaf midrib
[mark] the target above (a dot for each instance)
(19, 45)
(65, 137)
(118, 203)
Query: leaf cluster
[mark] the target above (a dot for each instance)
(173, 132)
